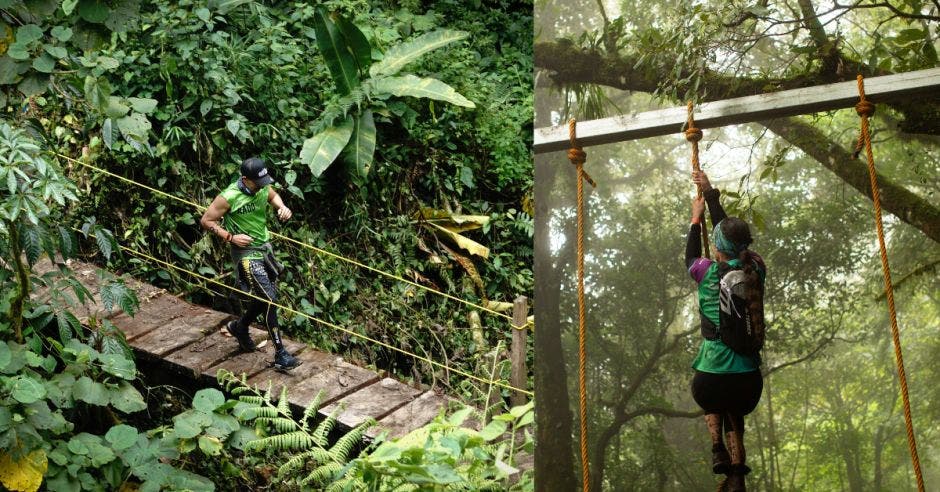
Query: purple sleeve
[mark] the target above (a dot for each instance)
(698, 268)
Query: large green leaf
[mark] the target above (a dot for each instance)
(356, 42)
(399, 56)
(321, 150)
(336, 52)
(361, 149)
(409, 85)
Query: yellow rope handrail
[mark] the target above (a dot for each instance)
(294, 241)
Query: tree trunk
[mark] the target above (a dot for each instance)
(22, 278)
(554, 466)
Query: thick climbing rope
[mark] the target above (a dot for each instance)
(202, 208)
(865, 110)
(577, 157)
(693, 135)
(334, 326)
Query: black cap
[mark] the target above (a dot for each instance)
(254, 169)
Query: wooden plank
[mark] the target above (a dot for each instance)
(376, 401)
(154, 313)
(337, 380)
(204, 353)
(741, 110)
(193, 324)
(409, 417)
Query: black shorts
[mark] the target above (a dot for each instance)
(736, 393)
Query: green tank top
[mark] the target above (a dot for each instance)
(713, 355)
(248, 214)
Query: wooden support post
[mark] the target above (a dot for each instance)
(520, 332)
(671, 121)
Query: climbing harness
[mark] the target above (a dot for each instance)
(865, 110)
(577, 157)
(693, 135)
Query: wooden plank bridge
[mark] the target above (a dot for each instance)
(187, 339)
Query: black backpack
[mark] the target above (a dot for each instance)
(735, 327)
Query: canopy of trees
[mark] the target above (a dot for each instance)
(830, 417)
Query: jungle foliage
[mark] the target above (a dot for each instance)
(176, 94)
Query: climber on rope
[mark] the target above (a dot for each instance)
(244, 205)
(727, 383)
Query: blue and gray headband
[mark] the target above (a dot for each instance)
(724, 244)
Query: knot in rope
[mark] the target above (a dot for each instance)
(577, 156)
(693, 134)
(865, 108)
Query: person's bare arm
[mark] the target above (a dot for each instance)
(211, 219)
(282, 211)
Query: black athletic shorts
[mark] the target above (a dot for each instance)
(736, 393)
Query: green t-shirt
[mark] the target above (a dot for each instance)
(713, 355)
(248, 214)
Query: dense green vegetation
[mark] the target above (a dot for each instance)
(830, 417)
(431, 185)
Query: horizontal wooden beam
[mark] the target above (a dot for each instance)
(741, 110)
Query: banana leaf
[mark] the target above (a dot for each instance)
(336, 52)
(397, 57)
(356, 42)
(412, 86)
(359, 153)
(321, 150)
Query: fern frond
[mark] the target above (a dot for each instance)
(269, 392)
(322, 474)
(281, 425)
(346, 484)
(310, 413)
(316, 455)
(283, 405)
(252, 399)
(284, 442)
(323, 430)
(345, 444)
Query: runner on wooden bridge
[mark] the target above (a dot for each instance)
(244, 204)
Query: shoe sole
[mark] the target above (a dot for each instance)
(242, 345)
(286, 369)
